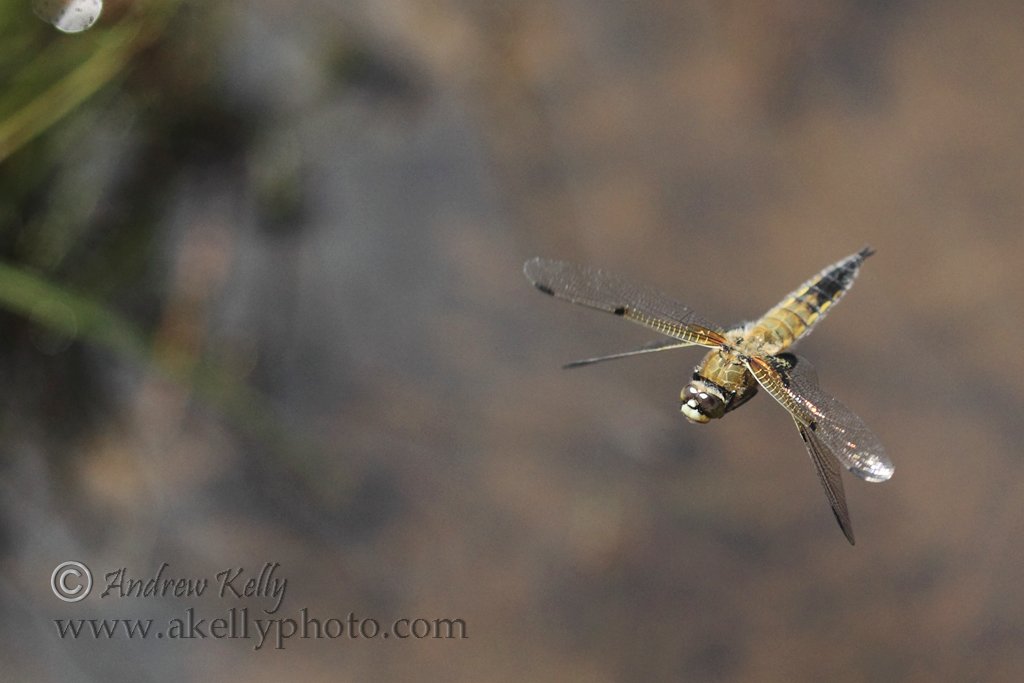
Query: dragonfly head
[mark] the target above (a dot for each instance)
(702, 401)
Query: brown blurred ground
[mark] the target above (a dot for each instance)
(584, 531)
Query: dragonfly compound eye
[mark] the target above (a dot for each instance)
(702, 401)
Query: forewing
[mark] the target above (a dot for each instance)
(596, 288)
(792, 381)
(829, 475)
(650, 347)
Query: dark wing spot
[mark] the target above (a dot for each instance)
(783, 363)
(813, 426)
(846, 531)
(620, 310)
(544, 288)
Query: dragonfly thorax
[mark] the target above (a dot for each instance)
(702, 401)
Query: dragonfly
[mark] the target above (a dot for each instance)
(742, 359)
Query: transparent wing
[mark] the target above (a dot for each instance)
(603, 291)
(649, 347)
(792, 381)
(827, 468)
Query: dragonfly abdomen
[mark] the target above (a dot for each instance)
(805, 306)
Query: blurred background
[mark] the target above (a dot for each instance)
(261, 301)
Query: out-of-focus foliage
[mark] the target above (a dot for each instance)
(69, 262)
